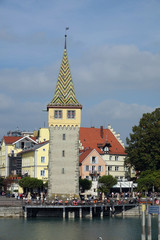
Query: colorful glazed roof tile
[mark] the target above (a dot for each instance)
(93, 138)
(64, 93)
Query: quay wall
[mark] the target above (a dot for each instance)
(11, 211)
(19, 211)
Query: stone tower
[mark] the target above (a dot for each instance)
(64, 119)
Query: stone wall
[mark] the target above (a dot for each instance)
(11, 212)
(63, 161)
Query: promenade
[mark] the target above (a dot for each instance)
(71, 208)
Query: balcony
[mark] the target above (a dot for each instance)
(94, 173)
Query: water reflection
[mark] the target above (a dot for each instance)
(86, 229)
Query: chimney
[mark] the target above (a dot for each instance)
(101, 131)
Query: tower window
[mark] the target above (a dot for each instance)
(63, 153)
(58, 114)
(62, 170)
(64, 136)
(70, 114)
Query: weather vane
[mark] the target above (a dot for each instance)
(67, 28)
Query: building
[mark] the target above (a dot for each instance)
(10, 162)
(35, 161)
(64, 119)
(91, 166)
(108, 144)
(43, 135)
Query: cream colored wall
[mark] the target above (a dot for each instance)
(43, 134)
(87, 161)
(31, 162)
(120, 174)
(43, 166)
(5, 151)
(12, 148)
(2, 160)
(64, 121)
(28, 163)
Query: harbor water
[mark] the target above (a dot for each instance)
(116, 228)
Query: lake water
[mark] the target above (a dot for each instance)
(116, 228)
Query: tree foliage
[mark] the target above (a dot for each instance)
(148, 179)
(106, 183)
(143, 150)
(7, 183)
(85, 184)
(1, 182)
(30, 183)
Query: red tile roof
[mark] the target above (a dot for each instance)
(83, 155)
(90, 137)
(12, 139)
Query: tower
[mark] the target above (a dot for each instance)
(64, 119)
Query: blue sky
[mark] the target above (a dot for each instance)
(114, 55)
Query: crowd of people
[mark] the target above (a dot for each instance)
(114, 198)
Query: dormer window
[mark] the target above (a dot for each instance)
(106, 149)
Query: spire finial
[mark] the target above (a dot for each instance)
(67, 28)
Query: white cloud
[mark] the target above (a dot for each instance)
(118, 67)
(120, 115)
(30, 83)
(25, 116)
(5, 102)
(110, 82)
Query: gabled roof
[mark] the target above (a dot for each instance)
(26, 137)
(64, 95)
(35, 147)
(92, 138)
(13, 139)
(84, 154)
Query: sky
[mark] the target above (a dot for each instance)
(113, 49)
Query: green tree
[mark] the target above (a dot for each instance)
(7, 182)
(143, 146)
(1, 183)
(85, 184)
(31, 183)
(148, 179)
(106, 183)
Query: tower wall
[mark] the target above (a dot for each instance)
(63, 160)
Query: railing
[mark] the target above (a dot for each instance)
(109, 202)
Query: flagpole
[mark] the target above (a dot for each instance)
(67, 28)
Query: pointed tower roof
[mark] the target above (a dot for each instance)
(64, 95)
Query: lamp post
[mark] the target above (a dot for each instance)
(153, 195)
